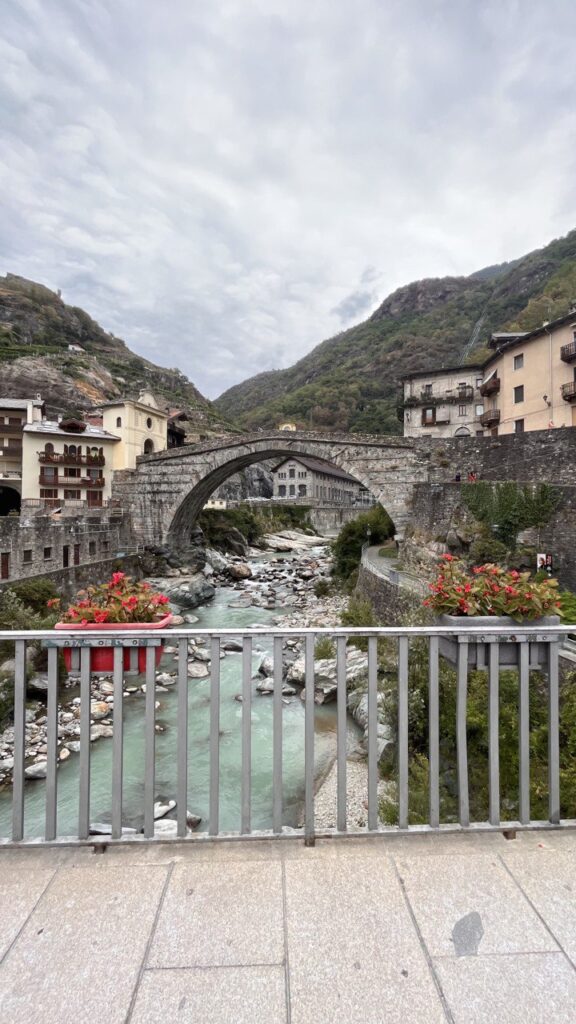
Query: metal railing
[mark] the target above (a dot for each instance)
(531, 647)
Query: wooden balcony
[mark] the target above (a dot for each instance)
(71, 481)
(569, 391)
(490, 418)
(568, 352)
(490, 387)
(10, 428)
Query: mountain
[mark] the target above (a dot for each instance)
(36, 330)
(350, 381)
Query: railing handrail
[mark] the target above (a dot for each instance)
(176, 632)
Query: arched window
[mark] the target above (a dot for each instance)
(118, 421)
(71, 449)
(49, 448)
(148, 446)
(149, 423)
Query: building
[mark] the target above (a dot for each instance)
(443, 403)
(67, 463)
(304, 478)
(530, 381)
(140, 425)
(15, 413)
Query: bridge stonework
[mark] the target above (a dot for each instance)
(167, 490)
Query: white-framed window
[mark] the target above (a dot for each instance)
(479, 410)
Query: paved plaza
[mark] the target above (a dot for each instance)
(425, 929)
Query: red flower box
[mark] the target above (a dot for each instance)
(102, 658)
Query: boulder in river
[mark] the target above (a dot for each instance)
(240, 571)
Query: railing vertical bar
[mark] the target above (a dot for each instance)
(553, 735)
(494, 734)
(150, 743)
(84, 803)
(277, 801)
(19, 741)
(182, 783)
(524, 734)
(118, 743)
(213, 825)
(341, 728)
(52, 746)
(246, 794)
(434, 732)
(372, 733)
(309, 710)
(461, 737)
(403, 732)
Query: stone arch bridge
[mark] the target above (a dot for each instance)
(167, 490)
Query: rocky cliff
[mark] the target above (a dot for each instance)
(37, 330)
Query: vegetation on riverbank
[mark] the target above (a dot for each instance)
(22, 606)
(374, 525)
(252, 523)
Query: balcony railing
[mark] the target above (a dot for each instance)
(52, 458)
(388, 652)
(569, 391)
(568, 352)
(490, 418)
(11, 428)
(71, 481)
(490, 387)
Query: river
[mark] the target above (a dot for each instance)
(215, 615)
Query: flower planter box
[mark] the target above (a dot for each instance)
(479, 651)
(102, 657)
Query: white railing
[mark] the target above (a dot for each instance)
(527, 649)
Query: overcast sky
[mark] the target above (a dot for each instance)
(224, 183)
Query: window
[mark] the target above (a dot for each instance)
(47, 553)
(49, 473)
(71, 495)
(301, 490)
(48, 492)
(73, 471)
(27, 556)
(518, 426)
(519, 394)
(428, 417)
(282, 491)
(462, 410)
(94, 474)
(149, 423)
(5, 565)
(478, 381)
(479, 433)
(292, 490)
(49, 448)
(519, 361)
(427, 389)
(104, 544)
(479, 410)
(291, 473)
(118, 421)
(92, 547)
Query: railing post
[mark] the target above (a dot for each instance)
(461, 737)
(434, 732)
(553, 735)
(309, 709)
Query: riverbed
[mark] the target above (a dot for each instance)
(293, 599)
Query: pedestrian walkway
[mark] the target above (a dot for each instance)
(467, 928)
(387, 568)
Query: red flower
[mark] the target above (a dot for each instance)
(117, 577)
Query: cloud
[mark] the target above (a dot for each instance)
(226, 184)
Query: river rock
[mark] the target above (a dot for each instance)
(99, 710)
(198, 670)
(195, 591)
(240, 571)
(38, 684)
(38, 770)
(64, 754)
(266, 666)
(232, 646)
(193, 820)
(73, 746)
(162, 809)
(98, 732)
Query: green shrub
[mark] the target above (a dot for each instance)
(487, 549)
(35, 593)
(347, 548)
(506, 509)
(568, 606)
(324, 648)
(322, 588)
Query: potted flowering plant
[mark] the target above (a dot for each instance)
(121, 602)
(489, 595)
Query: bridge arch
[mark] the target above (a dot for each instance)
(168, 489)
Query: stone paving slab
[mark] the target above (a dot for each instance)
(77, 959)
(353, 952)
(470, 904)
(221, 914)
(20, 890)
(535, 988)
(222, 995)
(548, 877)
